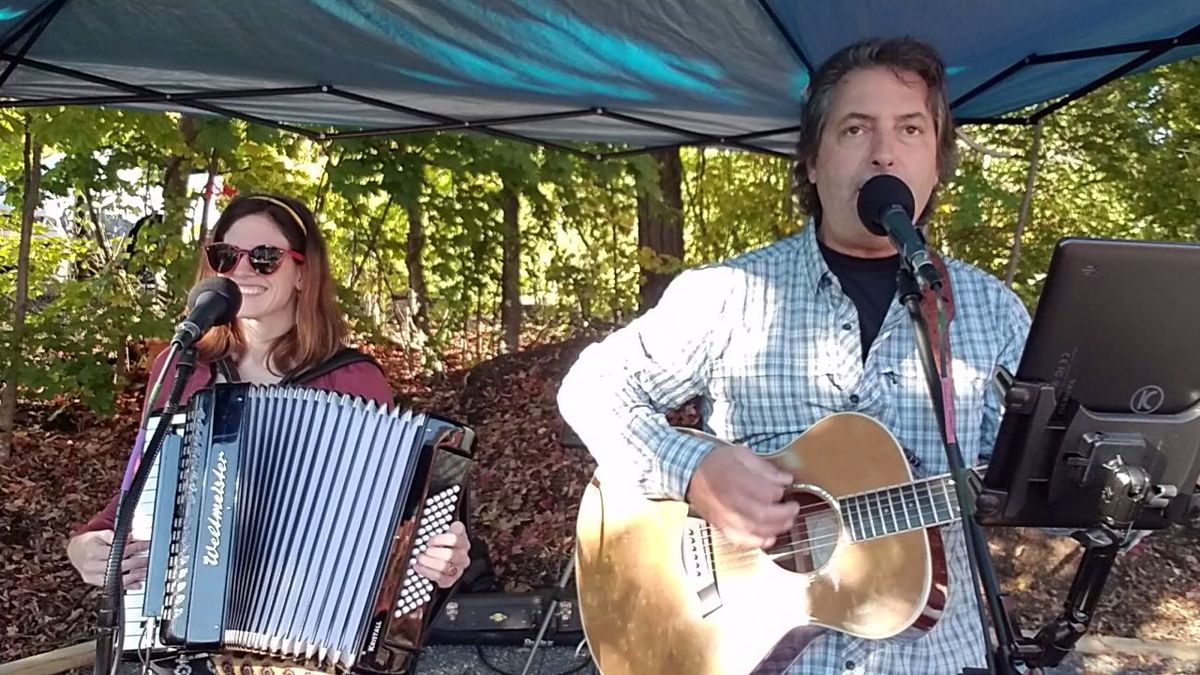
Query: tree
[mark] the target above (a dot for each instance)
(510, 272)
(30, 199)
(660, 228)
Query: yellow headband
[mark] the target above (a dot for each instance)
(285, 207)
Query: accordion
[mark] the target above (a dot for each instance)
(286, 522)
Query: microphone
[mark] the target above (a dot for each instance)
(885, 207)
(215, 301)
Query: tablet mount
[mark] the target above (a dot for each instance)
(1103, 475)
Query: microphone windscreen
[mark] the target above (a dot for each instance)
(880, 193)
(225, 288)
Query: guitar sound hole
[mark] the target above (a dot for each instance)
(809, 544)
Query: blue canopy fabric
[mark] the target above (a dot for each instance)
(636, 74)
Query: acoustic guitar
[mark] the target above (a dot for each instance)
(660, 591)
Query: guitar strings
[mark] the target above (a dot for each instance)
(737, 556)
(918, 500)
(804, 545)
(710, 535)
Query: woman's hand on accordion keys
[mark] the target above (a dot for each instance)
(89, 552)
(444, 560)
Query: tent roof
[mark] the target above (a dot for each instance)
(644, 74)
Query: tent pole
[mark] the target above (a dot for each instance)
(48, 11)
(34, 27)
(1035, 152)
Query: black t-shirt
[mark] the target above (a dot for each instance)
(870, 283)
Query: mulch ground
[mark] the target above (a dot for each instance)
(67, 462)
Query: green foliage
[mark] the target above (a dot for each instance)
(734, 202)
(1119, 163)
(76, 328)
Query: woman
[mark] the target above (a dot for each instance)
(289, 324)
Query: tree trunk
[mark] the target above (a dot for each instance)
(698, 195)
(660, 230)
(202, 236)
(1014, 256)
(97, 226)
(358, 264)
(510, 271)
(789, 204)
(323, 184)
(175, 179)
(615, 242)
(158, 235)
(414, 259)
(32, 197)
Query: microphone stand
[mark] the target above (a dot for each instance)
(981, 564)
(110, 620)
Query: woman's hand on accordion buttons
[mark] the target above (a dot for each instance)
(88, 552)
(446, 556)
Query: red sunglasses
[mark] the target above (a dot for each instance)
(223, 258)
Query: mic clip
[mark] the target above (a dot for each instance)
(186, 333)
(922, 263)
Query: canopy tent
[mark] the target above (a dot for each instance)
(644, 74)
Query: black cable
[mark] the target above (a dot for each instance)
(110, 619)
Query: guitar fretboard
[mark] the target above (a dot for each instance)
(913, 506)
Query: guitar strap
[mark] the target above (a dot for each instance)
(930, 313)
(790, 646)
(941, 342)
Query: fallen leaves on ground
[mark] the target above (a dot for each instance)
(525, 491)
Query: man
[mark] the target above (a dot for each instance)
(776, 339)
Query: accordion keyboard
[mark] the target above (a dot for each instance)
(136, 635)
(437, 515)
(135, 598)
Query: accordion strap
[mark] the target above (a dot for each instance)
(343, 357)
(226, 368)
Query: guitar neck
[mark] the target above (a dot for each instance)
(901, 508)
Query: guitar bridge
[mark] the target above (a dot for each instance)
(697, 558)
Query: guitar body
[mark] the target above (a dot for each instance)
(657, 597)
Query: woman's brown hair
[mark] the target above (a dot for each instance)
(320, 330)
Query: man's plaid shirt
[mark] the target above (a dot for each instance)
(770, 344)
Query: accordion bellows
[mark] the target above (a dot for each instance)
(297, 517)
